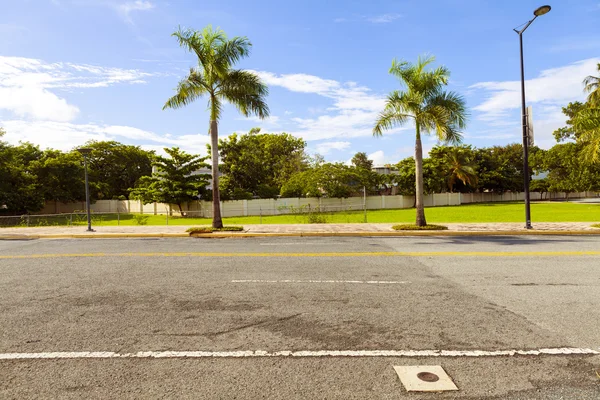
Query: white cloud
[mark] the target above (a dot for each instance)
(547, 93)
(66, 136)
(127, 8)
(353, 113)
(384, 18)
(378, 157)
(27, 85)
(326, 147)
(553, 86)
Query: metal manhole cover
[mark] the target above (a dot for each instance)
(428, 377)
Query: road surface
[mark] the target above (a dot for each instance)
(267, 318)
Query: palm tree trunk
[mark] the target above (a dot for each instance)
(214, 150)
(419, 180)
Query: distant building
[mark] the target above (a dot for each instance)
(382, 170)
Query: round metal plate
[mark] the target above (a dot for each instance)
(428, 377)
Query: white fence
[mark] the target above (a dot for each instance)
(238, 208)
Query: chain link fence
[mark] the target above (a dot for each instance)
(306, 214)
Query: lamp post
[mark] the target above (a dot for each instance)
(537, 13)
(85, 152)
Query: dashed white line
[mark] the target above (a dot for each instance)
(300, 354)
(317, 281)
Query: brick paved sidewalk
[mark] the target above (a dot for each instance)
(295, 228)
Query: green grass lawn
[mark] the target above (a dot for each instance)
(486, 212)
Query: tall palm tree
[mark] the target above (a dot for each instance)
(432, 110)
(215, 78)
(592, 86)
(587, 122)
(459, 168)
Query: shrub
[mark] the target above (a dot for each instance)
(210, 229)
(409, 227)
(596, 226)
(141, 219)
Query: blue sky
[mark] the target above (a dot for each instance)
(73, 70)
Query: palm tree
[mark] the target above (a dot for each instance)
(432, 109)
(587, 122)
(592, 86)
(215, 78)
(459, 168)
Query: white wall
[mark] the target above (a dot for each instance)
(285, 206)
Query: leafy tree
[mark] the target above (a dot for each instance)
(114, 168)
(500, 168)
(19, 192)
(364, 171)
(259, 163)
(432, 109)
(331, 180)
(592, 86)
(361, 160)
(568, 172)
(568, 132)
(540, 186)
(316, 160)
(215, 78)
(60, 176)
(174, 181)
(433, 177)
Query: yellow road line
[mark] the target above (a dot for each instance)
(334, 254)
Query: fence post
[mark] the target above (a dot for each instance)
(28, 220)
(118, 217)
(167, 217)
(261, 215)
(71, 220)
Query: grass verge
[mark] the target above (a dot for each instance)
(210, 229)
(410, 227)
(596, 226)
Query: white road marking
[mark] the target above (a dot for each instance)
(302, 354)
(316, 281)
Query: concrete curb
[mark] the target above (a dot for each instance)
(300, 234)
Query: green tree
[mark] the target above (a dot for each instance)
(367, 178)
(500, 168)
(60, 176)
(432, 109)
(19, 192)
(567, 170)
(587, 122)
(175, 180)
(114, 168)
(259, 163)
(592, 86)
(331, 180)
(569, 132)
(540, 186)
(459, 166)
(215, 78)
(361, 160)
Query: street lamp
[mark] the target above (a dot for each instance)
(537, 13)
(85, 152)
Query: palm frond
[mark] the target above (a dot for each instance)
(231, 51)
(188, 90)
(246, 91)
(393, 115)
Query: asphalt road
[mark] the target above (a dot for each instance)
(156, 295)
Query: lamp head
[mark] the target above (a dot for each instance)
(84, 151)
(542, 10)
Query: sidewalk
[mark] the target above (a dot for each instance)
(546, 228)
